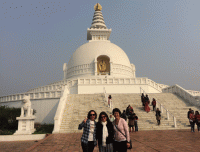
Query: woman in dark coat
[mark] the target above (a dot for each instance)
(104, 133)
(158, 116)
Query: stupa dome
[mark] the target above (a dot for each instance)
(89, 52)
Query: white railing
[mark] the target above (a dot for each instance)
(121, 81)
(54, 90)
(194, 93)
(60, 110)
(51, 87)
(167, 113)
(161, 109)
(36, 95)
(176, 89)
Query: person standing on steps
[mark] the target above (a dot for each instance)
(88, 139)
(131, 122)
(110, 104)
(142, 98)
(123, 115)
(147, 108)
(192, 120)
(154, 104)
(135, 122)
(105, 133)
(121, 136)
(158, 116)
(197, 119)
(188, 114)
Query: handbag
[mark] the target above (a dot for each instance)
(126, 138)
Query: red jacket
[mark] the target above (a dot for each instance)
(154, 103)
(191, 116)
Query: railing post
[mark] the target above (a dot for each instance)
(161, 108)
(175, 123)
(167, 114)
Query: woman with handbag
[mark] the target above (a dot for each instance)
(158, 116)
(105, 133)
(121, 137)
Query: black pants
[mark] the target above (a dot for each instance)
(198, 126)
(192, 126)
(136, 127)
(89, 147)
(154, 107)
(120, 146)
(158, 121)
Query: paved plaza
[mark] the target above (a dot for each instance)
(151, 141)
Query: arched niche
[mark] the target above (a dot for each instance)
(103, 65)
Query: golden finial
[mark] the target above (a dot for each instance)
(97, 7)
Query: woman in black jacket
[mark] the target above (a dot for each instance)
(104, 133)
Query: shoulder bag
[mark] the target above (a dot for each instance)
(126, 138)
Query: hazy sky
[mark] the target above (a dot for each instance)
(162, 39)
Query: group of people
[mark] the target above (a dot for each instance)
(145, 102)
(194, 119)
(110, 136)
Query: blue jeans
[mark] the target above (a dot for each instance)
(136, 127)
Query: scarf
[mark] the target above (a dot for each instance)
(105, 133)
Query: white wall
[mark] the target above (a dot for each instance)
(45, 109)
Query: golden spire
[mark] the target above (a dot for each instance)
(97, 7)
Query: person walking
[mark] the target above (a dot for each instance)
(142, 97)
(123, 115)
(121, 136)
(135, 122)
(110, 104)
(188, 114)
(104, 133)
(158, 116)
(147, 108)
(192, 120)
(131, 122)
(88, 139)
(197, 120)
(154, 104)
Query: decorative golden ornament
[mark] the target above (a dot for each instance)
(97, 7)
(102, 66)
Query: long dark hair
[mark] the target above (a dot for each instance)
(88, 116)
(105, 114)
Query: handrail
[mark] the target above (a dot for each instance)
(176, 89)
(143, 90)
(167, 113)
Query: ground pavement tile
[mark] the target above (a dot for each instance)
(149, 141)
(16, 146)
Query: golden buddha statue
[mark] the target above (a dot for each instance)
(102, 66)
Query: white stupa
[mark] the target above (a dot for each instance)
(97, 66)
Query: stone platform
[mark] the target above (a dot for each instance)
(151, 141)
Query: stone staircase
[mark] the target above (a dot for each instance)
(78, 105)
(176, 105)
(82, 103)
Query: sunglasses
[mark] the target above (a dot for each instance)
(92, 114)
(103, 117)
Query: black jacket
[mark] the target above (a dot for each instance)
(99, 133)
